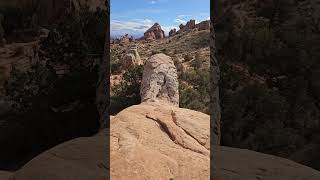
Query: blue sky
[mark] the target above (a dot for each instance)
(134, 17)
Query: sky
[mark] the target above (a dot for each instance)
(134, 17)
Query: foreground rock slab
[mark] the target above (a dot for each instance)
(4, 175)
(156, 141)
(242, 164)
(79, 159)
(159, 141)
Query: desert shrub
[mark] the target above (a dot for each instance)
(115, 63)
(48, 109)
(281, 114)
(153, 52)
(198, 61)
(127, 93)
(194, 90)
(188, 57)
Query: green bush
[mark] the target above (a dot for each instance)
(127, 93)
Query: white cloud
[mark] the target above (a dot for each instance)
(181, 21)
(134, 25)
(183, 16)
(208, 18)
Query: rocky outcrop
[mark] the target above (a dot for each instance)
(204, 25)
(124, 39)
(159, 141)
(160, 80)
(190, 25)
(154, 33)
(131, 58)
(172, 32)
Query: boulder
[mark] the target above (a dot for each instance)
(159, 141)
(124, 39)
(131, 58)
(128, 60)
(160, 80)
(134, 50)
(154, 33)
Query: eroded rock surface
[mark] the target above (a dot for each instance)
(242, 164)
(160, 80)
(81, 159)
(159, 141)
(131, 58)
(155, 32)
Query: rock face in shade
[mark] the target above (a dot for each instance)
(160, 80)
(155, 32)
(204, 25)
(4, 175)
(80, 159)
(241, 164)
(172, 32)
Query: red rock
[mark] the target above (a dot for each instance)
(204, 25)
(172, 32)
(155, 32)
(124, 39)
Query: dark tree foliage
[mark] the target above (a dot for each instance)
(50, 108)
(127, 93)
(281, 114)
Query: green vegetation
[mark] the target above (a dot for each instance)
(127, 93)
(48, 108)
(273, 105)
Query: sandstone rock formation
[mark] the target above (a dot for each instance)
(155, 32)
(127, 61)
(172, 32)
(160, 80)
(204, 25)
(131, 58)
(190, 25)
(159, 141)
(124, 39)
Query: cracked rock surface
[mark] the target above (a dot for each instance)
(159, 141)
(160, 80)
